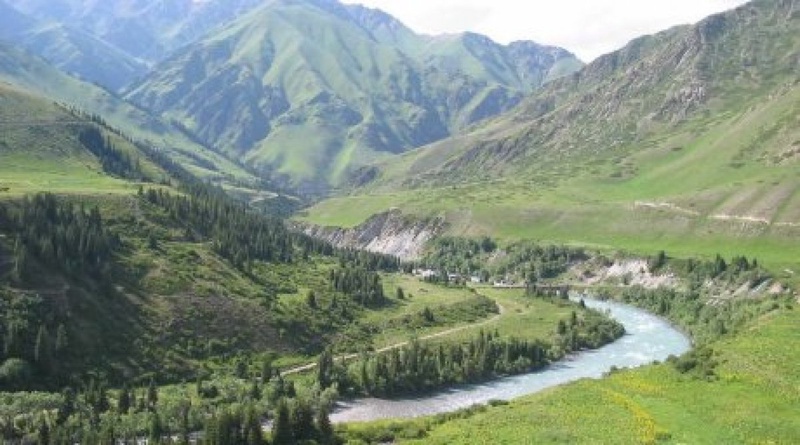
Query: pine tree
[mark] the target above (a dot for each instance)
(266, 369)
(43, 432)
(311, 299)
(325, 369)
(302, 421)
(282, 427)
(42, 352)
(21, 263)
(67, 406)
(253, 433)
(183, 424)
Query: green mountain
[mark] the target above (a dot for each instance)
(40, 78)
(686, 139)
(308, 89)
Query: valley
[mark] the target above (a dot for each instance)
(305, 222)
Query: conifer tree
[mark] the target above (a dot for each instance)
(282, 427)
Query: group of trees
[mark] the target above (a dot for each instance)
(363, 286)
(243, 236)
(60, 235)
(462, 255)
(534, 262)
(95, 414)
(114, 161)
(589, 331)
(237, 234)
(420, 367)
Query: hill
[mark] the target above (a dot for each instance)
(687, 140)
(308, 90)
(143, 270)
(34, 75)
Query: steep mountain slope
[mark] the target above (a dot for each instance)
(654, 86)
(35, 75)
(69, 49)
(686, 140)
(310, 88)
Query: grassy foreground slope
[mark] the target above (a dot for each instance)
(686, 141)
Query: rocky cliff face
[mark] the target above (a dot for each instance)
(390, 233)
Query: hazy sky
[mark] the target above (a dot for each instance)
(589, 28)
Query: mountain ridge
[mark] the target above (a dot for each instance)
(664, 77)
(317, 87)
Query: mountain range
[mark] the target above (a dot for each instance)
(685, 133)
(304, 91)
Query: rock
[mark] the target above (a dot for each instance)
(390, 233)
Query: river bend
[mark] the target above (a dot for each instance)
(648, 338)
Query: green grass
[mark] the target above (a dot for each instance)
(391, 321)
(22, 174)
(522, 317)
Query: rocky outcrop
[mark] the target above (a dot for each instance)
(391, 233)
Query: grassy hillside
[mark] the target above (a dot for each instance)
(309, 90)
(40, 150)
(696, 153)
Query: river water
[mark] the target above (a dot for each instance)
(647, 338)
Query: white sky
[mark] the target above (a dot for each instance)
(588, 28)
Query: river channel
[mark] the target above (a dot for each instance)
(648, 338)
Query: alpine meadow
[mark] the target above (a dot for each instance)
(312, 222)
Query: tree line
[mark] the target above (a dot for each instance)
(58, 234)
(114, 161)
(420, 367)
